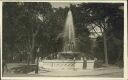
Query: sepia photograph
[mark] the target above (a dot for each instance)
(62, 39)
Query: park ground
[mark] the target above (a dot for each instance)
(23, 70)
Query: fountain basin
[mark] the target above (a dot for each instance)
(65, 64)
(61, 64)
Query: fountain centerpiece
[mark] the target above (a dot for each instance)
(69, 40)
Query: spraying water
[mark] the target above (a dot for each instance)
(69, 34)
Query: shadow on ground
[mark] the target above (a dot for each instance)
(23, 69)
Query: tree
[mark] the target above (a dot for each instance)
(98, 15)
(26, 23)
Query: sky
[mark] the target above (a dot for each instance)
(62, 4)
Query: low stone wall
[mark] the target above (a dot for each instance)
(65, 64)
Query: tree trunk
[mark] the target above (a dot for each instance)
(33, 46)
(105, 48)
(32, 49)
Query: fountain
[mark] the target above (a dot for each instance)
(68, 59)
